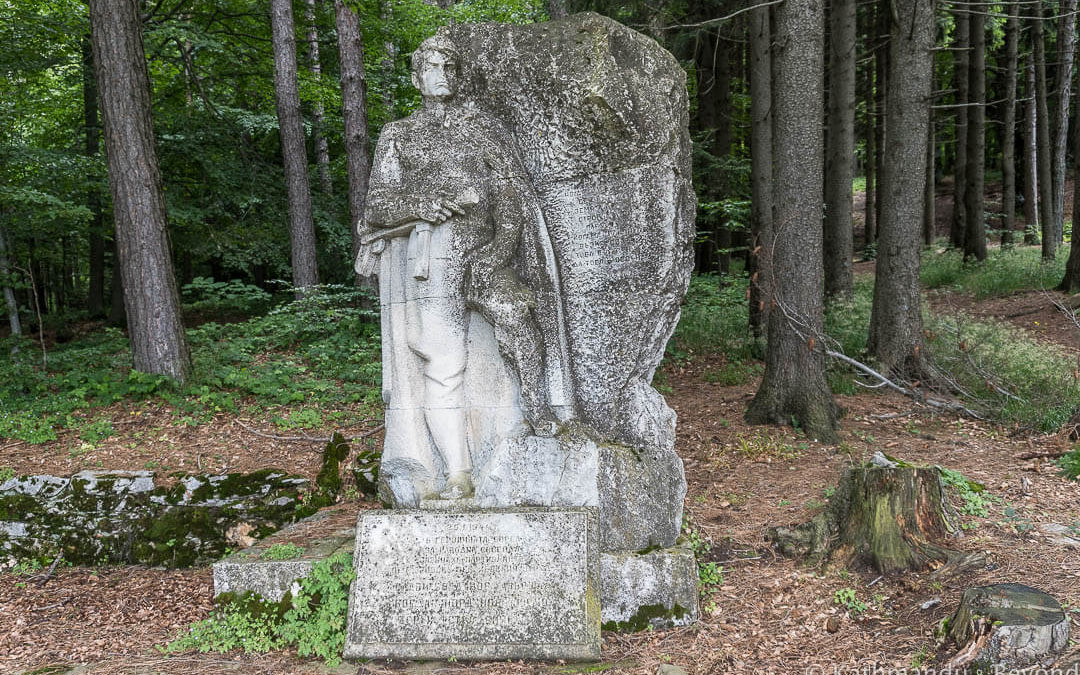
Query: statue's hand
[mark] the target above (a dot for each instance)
(437, 210)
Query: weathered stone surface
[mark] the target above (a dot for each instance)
(512, 583)
(572, 137)
(639, 497)
(254, 569)
(600, 114)
(639, 590)
(1007, 626)
(134, 520)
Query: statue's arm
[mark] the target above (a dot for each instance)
(389, 201)
(508, 213)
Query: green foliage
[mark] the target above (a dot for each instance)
(203, 293)
(710, 576)
(1070, 464)
(1004, 373)
(846, 598)
(714, 318)
(313, 621)
(734, 373)
(321, 350)
(284, 551)
(1003, 272)
(316, 621)
(975, 501)
(6, 474)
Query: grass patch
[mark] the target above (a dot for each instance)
(1003, 272)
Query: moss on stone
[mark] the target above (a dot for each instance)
(647, 615)
(329, 478)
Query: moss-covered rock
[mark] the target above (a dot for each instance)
(123, 517)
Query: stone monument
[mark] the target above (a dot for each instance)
(531, 226)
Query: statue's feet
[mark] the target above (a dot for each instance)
(459, 485)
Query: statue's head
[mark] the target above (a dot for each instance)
(434, 68)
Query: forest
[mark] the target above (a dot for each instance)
(884, 263)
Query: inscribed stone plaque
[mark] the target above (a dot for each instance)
(508, 583)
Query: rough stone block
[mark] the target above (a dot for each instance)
(496, 584)
(658, 589)
(639, 497)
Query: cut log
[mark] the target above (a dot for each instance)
(893, 518)
(1007, 626)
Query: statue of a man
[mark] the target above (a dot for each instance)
(449, 187)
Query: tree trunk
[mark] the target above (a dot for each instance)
(1066, 41)
(1071, 282)
(891, 518)
(896, 329)
(556, 9)
(1008, 134)
(870, 208)
(974, 211)
(9, 291)
(152, 302)
(294, 154)
(838, 243)
(117, 316)
(1031, 158)
(95, 296)
(761, 229)
(318, 137)
(961, 80)
(929, 214)
(1043, 158)
(386, 66)
(793, 388)
(354, 115)
(881, 66)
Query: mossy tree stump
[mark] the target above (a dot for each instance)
(892, 518)
(1007, 626)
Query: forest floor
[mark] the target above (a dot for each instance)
(768, 615)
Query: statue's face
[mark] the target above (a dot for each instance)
(437, 77)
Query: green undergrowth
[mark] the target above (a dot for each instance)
(313, 621)
(1003, 272)
(1070, 464)
(320, 350)
(714, 320)
(989, 366)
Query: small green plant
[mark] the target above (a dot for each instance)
(313, 621)
(830, 491)
(710, 576)
(975, 501)
(284, 551)
(846, 598)
(6, 474)
(766, 446)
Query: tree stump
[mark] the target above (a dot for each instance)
(1007, 626)
(893, 518)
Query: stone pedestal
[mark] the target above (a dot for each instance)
(470, 584)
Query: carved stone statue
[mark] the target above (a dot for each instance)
(447, 208)
(532, 228)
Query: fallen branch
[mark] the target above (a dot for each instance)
(311, 439)
(1048, 454)
(910, 393)
(52, 568)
